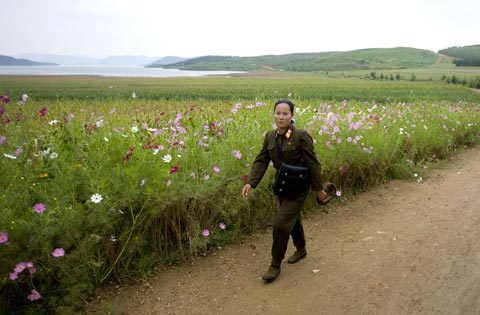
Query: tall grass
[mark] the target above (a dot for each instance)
(168, 173)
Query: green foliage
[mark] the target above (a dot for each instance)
(474, 83)
(466, 56)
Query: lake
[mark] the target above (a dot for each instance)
(110, 71)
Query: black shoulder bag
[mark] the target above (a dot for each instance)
(290, 179)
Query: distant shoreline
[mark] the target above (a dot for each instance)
(106, 71)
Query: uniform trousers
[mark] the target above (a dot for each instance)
(288, 221)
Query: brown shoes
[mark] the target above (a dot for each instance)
(297, 256)
(271, 274)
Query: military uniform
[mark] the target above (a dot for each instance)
(297, 148)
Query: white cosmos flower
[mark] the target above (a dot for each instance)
(134, 96)
(53, 155)
(167, 158)
(53, 122)
(99, 123)
(134, 129)
(96, 198)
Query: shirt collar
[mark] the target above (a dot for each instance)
(287, 134)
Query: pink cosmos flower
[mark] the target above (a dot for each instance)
(222, 226)
(174, 169)
(237, 154)
(42, 112)
(58, 252)
(338, 193)
(216, 169)
(13, 275)
(34, 295)
(39, 208)
(205, 232)
(244, 178)
(3, 237)
(18, 151)
(5, 99)
(355, 126)
(206, 177)
(2, 139)
(20, 267)
(178, 117)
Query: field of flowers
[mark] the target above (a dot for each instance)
(99, 190)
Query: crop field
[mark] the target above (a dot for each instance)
(108, 178)
(299, 86)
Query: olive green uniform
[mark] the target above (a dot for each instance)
(297, 148)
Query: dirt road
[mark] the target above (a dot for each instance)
(401, 248)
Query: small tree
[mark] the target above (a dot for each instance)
(454, 79)
(397, 76)
(413, 77)
(373, 75)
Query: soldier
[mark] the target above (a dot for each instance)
(296, 147)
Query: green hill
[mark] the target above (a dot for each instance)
(464, 56)
(10, 61)
(373, 58)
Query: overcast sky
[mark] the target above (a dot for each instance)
(188, 28)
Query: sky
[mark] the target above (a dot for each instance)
(190, 28)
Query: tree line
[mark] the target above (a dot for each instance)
(467, 56)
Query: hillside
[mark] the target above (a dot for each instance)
(10, 61)
(464, 56)
(68, 60)
(373, 58)
(165, 61)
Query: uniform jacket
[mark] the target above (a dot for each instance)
(297, 148)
